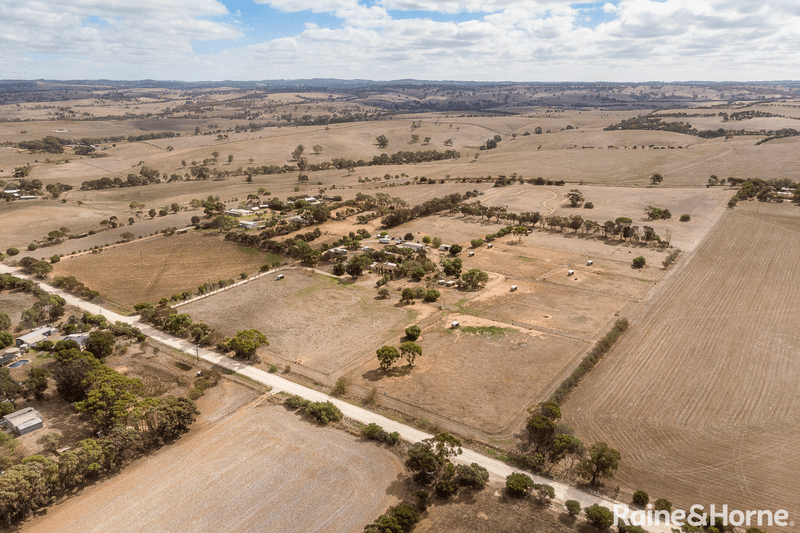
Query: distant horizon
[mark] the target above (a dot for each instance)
(399, 80)
(484, 41)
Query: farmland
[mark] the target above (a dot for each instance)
(700, 396)
(147, 270)
(310, 320)
(259, 468)
(484, 379)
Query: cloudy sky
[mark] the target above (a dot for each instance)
(486, 40)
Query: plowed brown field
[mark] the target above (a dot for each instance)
(701, 395)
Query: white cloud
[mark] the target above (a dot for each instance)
(505, 40)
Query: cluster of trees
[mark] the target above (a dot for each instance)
(146, 176)
(388, 355)
(35, 267)
(551, 442)
(762, 190)
(73, 286)
(430, 460)
(47, 308)
(656, 213)
(436, 205)
(520, 485)
(132, 424)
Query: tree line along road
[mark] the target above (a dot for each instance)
(498, 470)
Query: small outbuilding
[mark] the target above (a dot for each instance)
(454, 324)
(35, 336)
(416, 246)
(589, 262)
(23, 421)
(441, 282)
(513, 288)
(280, 277)
(570, 272)
(471, 254)
(450, 283)
(444, 248)
(489, 245)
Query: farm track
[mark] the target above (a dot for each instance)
(700, 395)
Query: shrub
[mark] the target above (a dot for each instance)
(476, 242)
(686, 218)
(32, 246)
(600, 516)
(432, 295)
(573, 507)
(518, 485)
(340, 388)
(588, 205)
(324, 412)
(374, 432)
(55, 259)
(445, 489)
(273, 369)
(641, 498)
(296, 402)
(12, 251)
(639, 262)
(663, 504)
(413, 332)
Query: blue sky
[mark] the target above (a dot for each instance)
(518, 40)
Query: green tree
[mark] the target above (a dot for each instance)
(6, 339)
(354, 268)
(298, 152)
(472, 477)
(36, 383)
(641, 498)
(431, 295)
(656, 178)
(382, 141)
(387, 355)
(601, 517)
(40, 269)
(12, 251)
(101, 344)
(412, 332)
(639, 262)
(519, 485)
(407, 295)
(602, 462)
(383, 292)
(520, 231)
(455, 249)
(246, 342)
(5, 322)
(573, 507)
(476, 242)
(127, 236)
(384, 524)
(474, 278)
(410, 351)
(541, 432)
(575, 197)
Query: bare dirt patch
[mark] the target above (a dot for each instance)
(547, 305)
(259, 469)
(160, 267)
(700, 395)
(481, 379)
(309, 319)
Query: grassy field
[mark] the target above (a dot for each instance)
(484, 378)
(259, 468)
(699, 396)
(310, 320)
(147, 270)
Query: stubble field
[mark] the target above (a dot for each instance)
(700, 395)
(151, 269)
(257, 469)
(310, 319)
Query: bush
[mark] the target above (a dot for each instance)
(296, 402)
(12, 251)
(324, 412)
(663, 504)
(413, 332)
(446, 489)
(32, 246)
(374, 432)
(432, 295)
(686, 218)
(573, 507)
(55, 259)
(588, 205)
(340, 388)
(641, 498)
(518, 485)
(476, 242)
(639, 262)
(273, 369)
(600, 516)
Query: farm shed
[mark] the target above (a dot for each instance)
(589, 262)
(385, 240)
(248, 224)
(450, 283)
(301, 220)
(416, 246)
(280, 276)
(489, 245)
(23, 421)
(35, 336)
(444, 248)
(386, 268)
(338, 251)
(80, 338)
